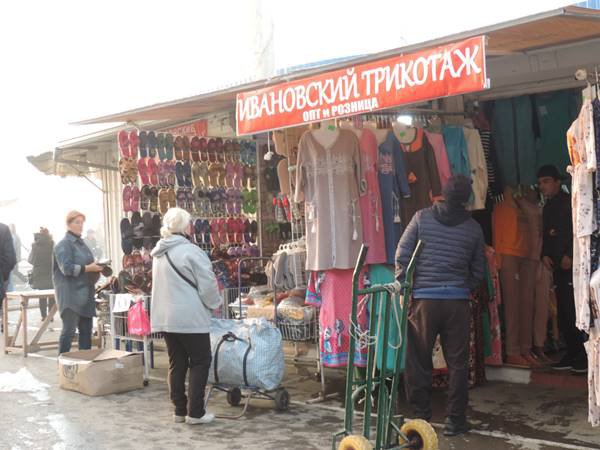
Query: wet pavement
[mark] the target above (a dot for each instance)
(37, 414)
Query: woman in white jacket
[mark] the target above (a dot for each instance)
(184, 291)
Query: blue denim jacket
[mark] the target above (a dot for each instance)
(74, 289)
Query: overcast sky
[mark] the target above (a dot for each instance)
(64, 61)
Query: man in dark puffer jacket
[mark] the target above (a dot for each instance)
(450, 266)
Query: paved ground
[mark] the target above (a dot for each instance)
(505, 416)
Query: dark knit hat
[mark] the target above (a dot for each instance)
(549, 171)
(457, 190)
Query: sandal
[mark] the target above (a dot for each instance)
(172, 198)
(154, 199)
(238, 179)
(123, 140)
(179, 173)
(189, 200)
(132, 171)
(145, 195)
(134, 142)
(163, 170)
(143, 170)
(231, 230)
(163, 200)
(124, 170)
(171, 178)
(203, 149)
(187, 174)
(138, 230)
(249, 175)
(135, 199)
(196, 170)
(206, 231)
(147, 230)
(214, 232)
(126, 236)
(186, 148)
(230, 201)
(198, 234)
(181, 199)
(160, 144)
(211, 149)
(195, 148)
(152, 144)
(229, 174)
(178, 144)
(220, 150)
(143, 144)
(152, 171)
(127, 198)
(253, 231)
(168, 146)
(156, 224)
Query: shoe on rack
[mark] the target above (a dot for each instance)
(579, 368)
(563, 364)
(206, 418)
(455, 427)
(178, 419)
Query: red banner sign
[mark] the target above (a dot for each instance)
(451, 69)
(198, 128)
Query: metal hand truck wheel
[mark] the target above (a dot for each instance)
(391, 430)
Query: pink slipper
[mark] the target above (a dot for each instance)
(134, 142)
(124, 144)
(153, 171)
(135, 199)
(127, 199)
(143, 170)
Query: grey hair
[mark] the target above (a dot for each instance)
(176, 220)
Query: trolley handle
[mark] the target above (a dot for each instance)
(364, 249)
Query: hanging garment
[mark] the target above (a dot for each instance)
(458, 153)
(510, 229)
(393, 187)
(441, 156)
(582, 152)
(495, 188)
(334, 320)
(478, 165)
(423, 177)
(555, 112)
(328, 180)
(592, 347)
(370, 202)
(495, 359)
(595, 238)
(514, 139)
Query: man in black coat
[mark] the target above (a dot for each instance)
(8, 259)
(450, 267)
(557, 256)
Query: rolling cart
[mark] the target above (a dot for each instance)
(391, 430)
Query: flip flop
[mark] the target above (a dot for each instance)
(181, 198)
(126, 236)
(228, 150)
(147, 231)
(145, 195)
(223, 230)
(189, 200)
(241, 227)
(212, 149)
(172, 198)
(143, 144)
(196, 170)
(163, 200)
(154, 199)
(197, 195)
(214, 232)
(249, 201)
(203, 149)
(231, 228)
(162, 173)
(123, 139)
(229, 174)
(156, 224)
(206, 230)
(229, 202)
(186, 149)
(152, 144)
(195, 148)
(132, 171)
(171, 178)
(160, 145)
(180, 174)
(253, 231)
(135, 199)
(249, 175)
(134, 143)
(152, 171)
(247, 231)
(238, 179)
(127, 198)
(124, 170)
(143, 170)
(137, 226)
(187, 174)
(178, 144)
(198, 232)
(169, 146)
(220, 150)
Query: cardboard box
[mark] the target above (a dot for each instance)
(100, 372)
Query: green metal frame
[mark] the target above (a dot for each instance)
(387, 424)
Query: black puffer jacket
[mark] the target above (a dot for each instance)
(453, 252)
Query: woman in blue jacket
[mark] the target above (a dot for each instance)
(74, 275)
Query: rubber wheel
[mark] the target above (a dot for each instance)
(355, 442)
(234, 397)
(420, 435)
(146, 382)
(282, 400)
